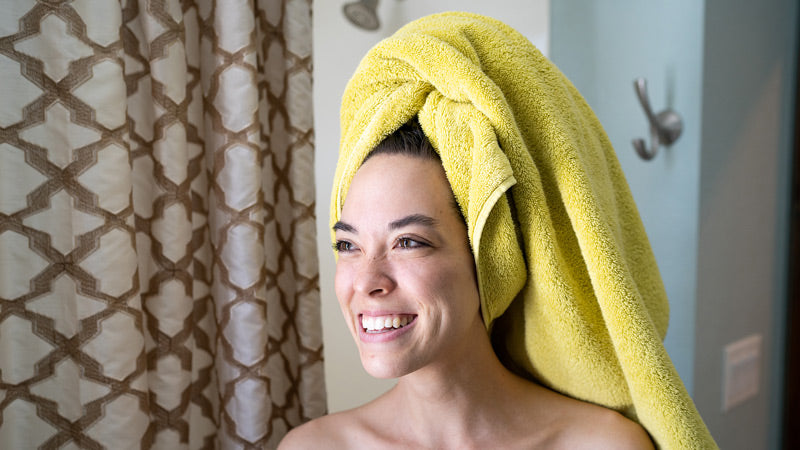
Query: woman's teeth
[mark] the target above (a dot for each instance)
(377, 324)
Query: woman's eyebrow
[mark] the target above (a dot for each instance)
(346, 227)
(418, 219)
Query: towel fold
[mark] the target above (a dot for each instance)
(569, 287)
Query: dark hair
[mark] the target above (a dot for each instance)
(407, 140)
(410, 140)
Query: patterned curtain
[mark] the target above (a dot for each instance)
(158, 267)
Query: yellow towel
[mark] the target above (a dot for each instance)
(569, 286)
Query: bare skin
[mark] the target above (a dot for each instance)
(403, 254)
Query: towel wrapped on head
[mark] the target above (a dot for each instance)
(569, 287)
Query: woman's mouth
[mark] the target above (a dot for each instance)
(385, 323)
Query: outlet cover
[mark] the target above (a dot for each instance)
(741, 371)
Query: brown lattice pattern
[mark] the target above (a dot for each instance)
(158, 268)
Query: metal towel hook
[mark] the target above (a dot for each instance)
(665, 127)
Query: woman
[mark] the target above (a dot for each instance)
(405, 279)
(492, 258)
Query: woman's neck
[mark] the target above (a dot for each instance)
(459, 399)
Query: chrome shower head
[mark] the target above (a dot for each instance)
(362, 14)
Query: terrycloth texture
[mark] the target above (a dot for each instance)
(569, 286)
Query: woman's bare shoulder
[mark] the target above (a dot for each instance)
(575, 424)
(601, 428)
(332, 431)
(323, 432)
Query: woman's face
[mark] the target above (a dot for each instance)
(405, 275)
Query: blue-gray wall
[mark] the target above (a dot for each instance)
(715, 204)
(748, 97)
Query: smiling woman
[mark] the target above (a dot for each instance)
(491, 258)
(407, 286)
(406, 257)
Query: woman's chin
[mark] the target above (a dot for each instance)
(379, 368)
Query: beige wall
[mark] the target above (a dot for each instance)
(338, 47)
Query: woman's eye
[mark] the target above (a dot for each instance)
(409, 243)
(343, 246)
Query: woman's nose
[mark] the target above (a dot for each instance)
(373, 278)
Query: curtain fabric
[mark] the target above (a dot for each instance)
(158, 266)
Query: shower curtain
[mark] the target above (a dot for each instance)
(158, 268)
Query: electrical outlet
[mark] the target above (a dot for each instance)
(741, 371)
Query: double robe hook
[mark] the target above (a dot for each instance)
(665, 127)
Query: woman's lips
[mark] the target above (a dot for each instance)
(384, 327)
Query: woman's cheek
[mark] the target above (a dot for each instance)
(343, 284)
